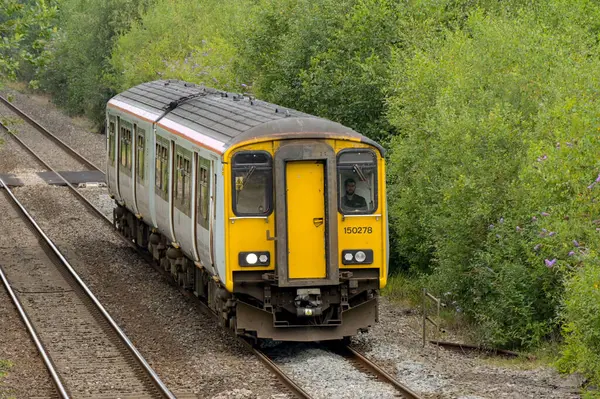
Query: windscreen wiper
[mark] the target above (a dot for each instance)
(359, 172)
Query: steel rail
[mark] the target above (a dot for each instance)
(51, 369)
(295, 388)
(143, 363)
(47, 133)
(80, 196)
(381, 374)
(280, 374)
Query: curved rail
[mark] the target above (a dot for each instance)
(143, 363)
(47, 133)
(80, 196)
(357, 357)
(53, 374)
(289, 383)
(293, 387)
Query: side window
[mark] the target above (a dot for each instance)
(182, 190)
(203, 184)
(357, 181)
(162, 168)
(252, 183)
(157, 168)
(111, 139)
(165, 169)
(126, 148)
(140, 156)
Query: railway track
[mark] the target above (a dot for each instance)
(86, 353)
(367, 366)
(286, 383)
(340, 371)
(52, 138)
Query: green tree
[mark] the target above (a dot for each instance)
(25, 28)
(77, 74)
(188, 40)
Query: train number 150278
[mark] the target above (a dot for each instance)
(358, 230)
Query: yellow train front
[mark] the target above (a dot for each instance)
(285, 233)
(306, 233)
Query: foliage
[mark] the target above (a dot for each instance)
(498, 123)
(76, 75)
(5, 366)
(25, 28)
(324, 57)
(582, 327)
(199, 50)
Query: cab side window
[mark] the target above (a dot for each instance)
(357, 181)
(112, 126)
(252, 183)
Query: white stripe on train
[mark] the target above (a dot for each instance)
(168, 124)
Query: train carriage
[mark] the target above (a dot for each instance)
(275, 217)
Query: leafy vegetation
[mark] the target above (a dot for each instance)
(79, 71)
(25, 28)
(5, 366)
(489, 111)
(200, 50)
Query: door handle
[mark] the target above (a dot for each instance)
(269, 238)
(317, 221)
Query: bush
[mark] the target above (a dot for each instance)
(198, 50)
(328, 58)
(498, 121)
(26, 28)
(76, 75)
(582, 316)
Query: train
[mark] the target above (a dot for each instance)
(275, 218)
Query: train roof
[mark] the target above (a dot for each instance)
(218, 120)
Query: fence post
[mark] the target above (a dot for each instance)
(429, 319)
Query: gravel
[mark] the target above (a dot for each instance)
(324, 374)
(396, 344)
(27, 375)
(77, 132)
(100, 198)
(40, 144)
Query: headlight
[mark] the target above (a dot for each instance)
(360, 256)
(251, 259)
(254, 258)
(357, 256)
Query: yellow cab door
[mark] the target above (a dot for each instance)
(306, 222)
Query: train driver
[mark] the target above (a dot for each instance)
(352, 200)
